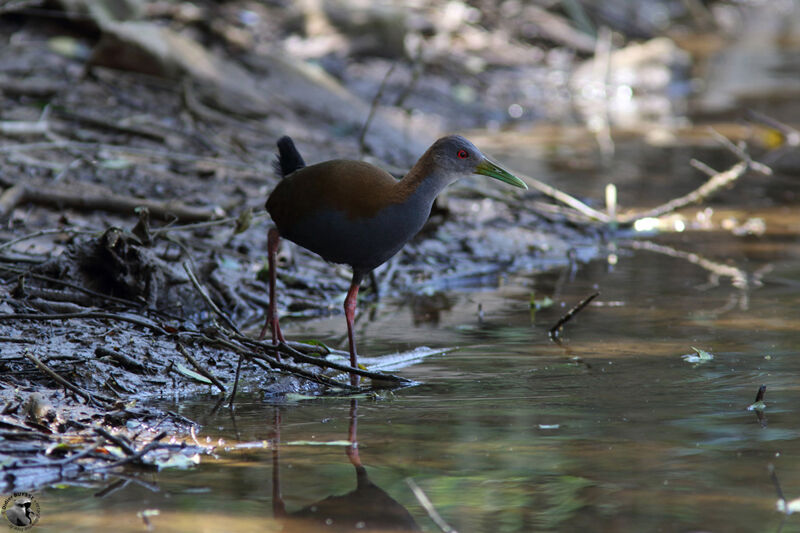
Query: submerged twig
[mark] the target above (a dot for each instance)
(554, 331)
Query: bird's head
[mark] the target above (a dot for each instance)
(456, 156)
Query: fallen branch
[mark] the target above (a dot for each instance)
(96, 199)
(86, 395)
(85, 314)
(289, 350)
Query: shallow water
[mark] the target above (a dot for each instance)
(610, 431)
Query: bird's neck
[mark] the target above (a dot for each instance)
(424, 181)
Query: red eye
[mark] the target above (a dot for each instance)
(462, 154)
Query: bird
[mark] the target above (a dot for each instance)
(355, 213)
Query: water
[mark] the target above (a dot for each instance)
(610, 431)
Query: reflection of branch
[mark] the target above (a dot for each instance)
(739, 278)
(426, 504)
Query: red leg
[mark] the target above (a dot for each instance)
(349, 315)
(273, 240)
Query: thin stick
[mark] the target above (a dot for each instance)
(372, 108)
(100, 200)
(741, 153)
(426, 504)
(760, 394)
(85, 314)
(564, 198)
(200, 368)
(42, 233)
(170, 156)
(303, 358)
(127, 448)
(152, 445)
(571, 313)
(196, 225)
(790, 134)
(702, 167)
(86, 395)
(716, 182)
(208, 299)
(236, 382)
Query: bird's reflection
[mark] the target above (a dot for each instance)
(367, 508)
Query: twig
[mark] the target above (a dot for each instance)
(702, 167)
(293, 369)
(96, 199)
(426, 504)
(166, 155)
(717, 181)
(89, 397)
(221, 221)
(236, 381)
(85, 314)
(760, 394)
(372, 109)
(18, 127)
(18, 5)
(571, 313)
(99, 122)
(790, 134)
(564, 198)
(739, 151)
(125, 361)
(87, 450)
(152, 445)
(119, 441)
(200, 368)
(286, 349)
(208, 299)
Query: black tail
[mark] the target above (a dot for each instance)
(289, 159)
